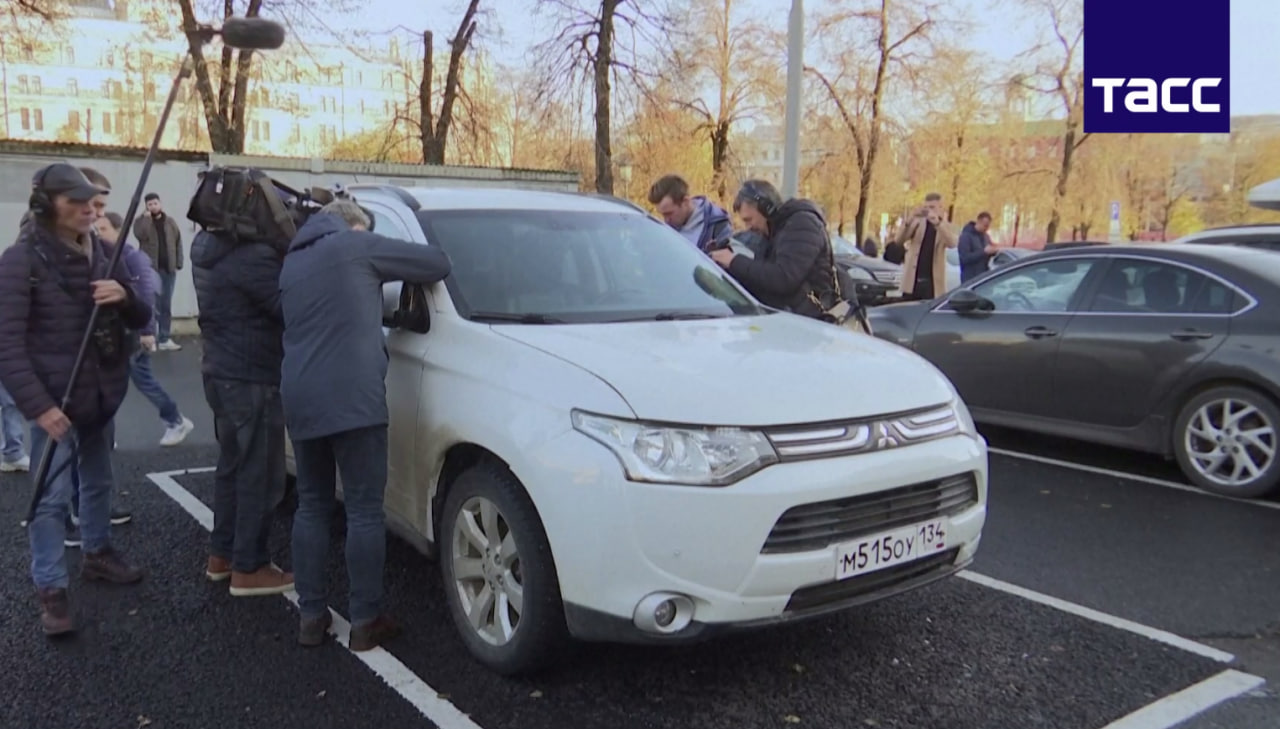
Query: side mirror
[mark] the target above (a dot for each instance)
(966, 301)
(413, 313)
(390, 304)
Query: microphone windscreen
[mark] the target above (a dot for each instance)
(252, 33)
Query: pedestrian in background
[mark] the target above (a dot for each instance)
(50, 282)
(13, 458)
(925, 237)
(176, 426)
(335, 403)
(975, 247)
(699, 220)
(160, 238)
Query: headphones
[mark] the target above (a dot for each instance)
(40, 203)
(763, 202)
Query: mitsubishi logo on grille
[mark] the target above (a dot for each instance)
(886, 436)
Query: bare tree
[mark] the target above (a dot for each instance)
(586, 46)
(895, 33)
(731, 66)
(434, 129)
(1059, 75)
(224, 110)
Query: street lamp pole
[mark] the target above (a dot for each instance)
(795, 81)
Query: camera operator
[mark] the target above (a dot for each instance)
(238, 295)
(334, 383)
(50, 281)
(795, 264)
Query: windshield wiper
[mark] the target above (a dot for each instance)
(674, 316)
(497, 316)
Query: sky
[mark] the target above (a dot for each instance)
(995, 31)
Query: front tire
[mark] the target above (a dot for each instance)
(1227, 441)
(499, 576)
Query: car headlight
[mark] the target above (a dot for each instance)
(859, 273)
(679, 455)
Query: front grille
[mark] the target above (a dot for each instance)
(811, 527)
(848, 591)
(831, 440)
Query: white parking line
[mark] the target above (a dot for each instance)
(1097, 616)
(396, 675)
(1176, 708)
(1129, 477)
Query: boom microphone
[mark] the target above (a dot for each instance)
(255, 34)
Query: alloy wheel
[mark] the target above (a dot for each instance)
(486, 571)
(1230, 442)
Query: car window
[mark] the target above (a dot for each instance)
(385, 224)
(1045, 286)
(1155, 287)
(578, 267)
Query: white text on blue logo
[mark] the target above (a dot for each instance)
(1150, 97)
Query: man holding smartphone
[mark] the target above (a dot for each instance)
(926, 236)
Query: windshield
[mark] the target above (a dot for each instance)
(578, 267)
(843, 247)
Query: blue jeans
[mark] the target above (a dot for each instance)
(361, 457)
(164, 305)
(14, 427)
(145, 380)
(48, 529)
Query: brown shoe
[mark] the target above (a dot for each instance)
(374, 633)
(268, 580)
(108, 565)
(312, 631)
(55, 611)
(218, 569)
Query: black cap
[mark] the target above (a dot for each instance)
(65, 179)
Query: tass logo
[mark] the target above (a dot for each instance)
(1142, 77)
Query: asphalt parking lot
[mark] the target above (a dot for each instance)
(1104, 596)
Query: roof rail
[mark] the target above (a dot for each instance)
(1242, 225)
(610, 198)
(395, 190)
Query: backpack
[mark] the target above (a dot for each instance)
(243, 202)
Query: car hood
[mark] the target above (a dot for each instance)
(867, 262)
(761, 370)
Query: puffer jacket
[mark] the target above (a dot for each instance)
(795, 262)
(45, 306)
(238, 294)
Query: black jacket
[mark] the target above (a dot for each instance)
(795, 262)
(42, 322)
(238, 293)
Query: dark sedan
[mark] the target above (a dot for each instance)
(1171, 349)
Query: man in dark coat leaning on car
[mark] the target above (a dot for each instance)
(50, 281)
(796, 259)
(335, 403)
(238, 293)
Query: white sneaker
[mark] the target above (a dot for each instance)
(175, 434)
(22, 465)
(169, 345)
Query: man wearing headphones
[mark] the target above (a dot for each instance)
(796, 259)
(50, 281)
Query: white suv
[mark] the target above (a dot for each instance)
(603, 437)
(1261, 235)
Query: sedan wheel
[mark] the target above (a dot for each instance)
(1227, 442)
(486, 570)
(499, 576)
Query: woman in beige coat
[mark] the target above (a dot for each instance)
(925, 232)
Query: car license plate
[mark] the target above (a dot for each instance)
(879, 551)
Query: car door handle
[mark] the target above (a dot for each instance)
(1040, 332)
(1187, 335)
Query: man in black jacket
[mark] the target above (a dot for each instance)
(796, 260)
(237, 290)
(50, 281)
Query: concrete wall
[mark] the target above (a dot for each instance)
(174, 180)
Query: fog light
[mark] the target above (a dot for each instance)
(663, 612)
